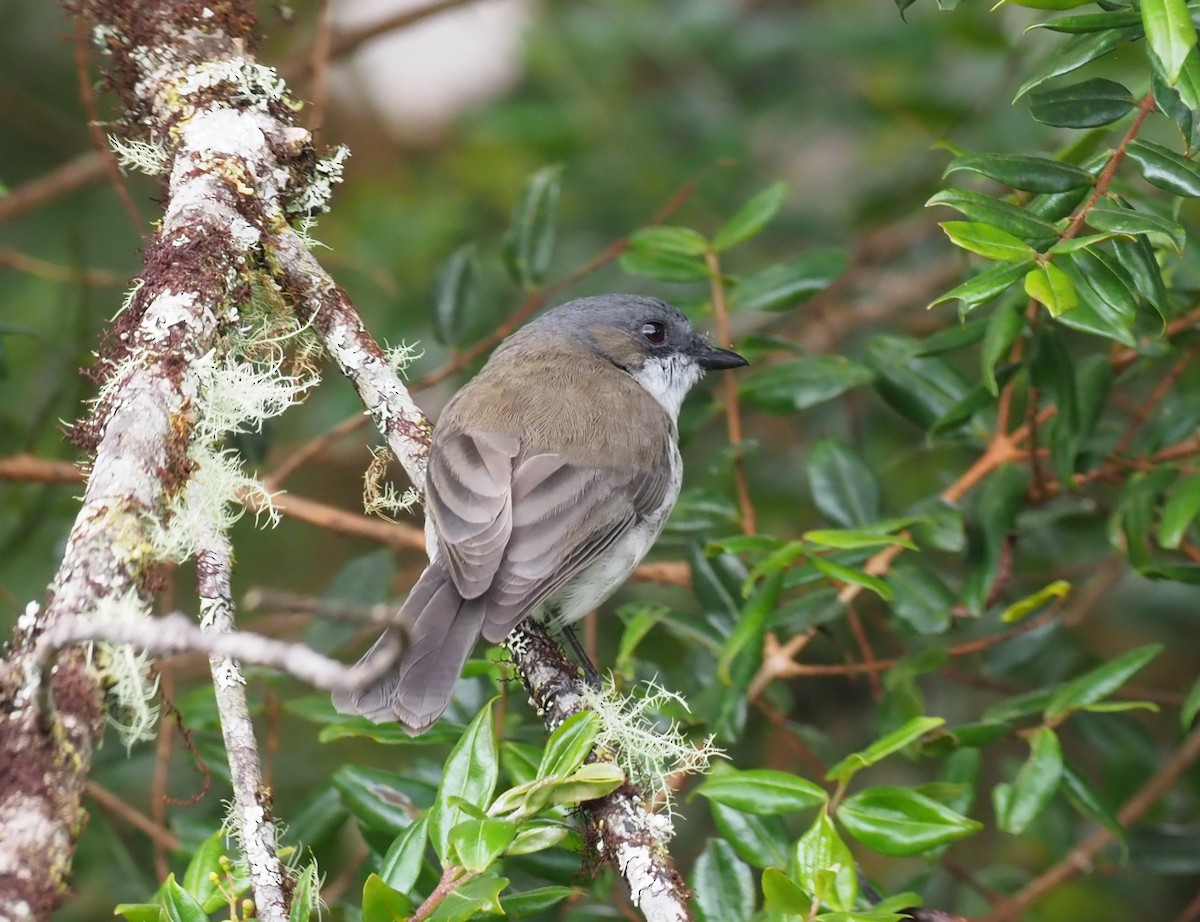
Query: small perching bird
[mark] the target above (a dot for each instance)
(550, 475)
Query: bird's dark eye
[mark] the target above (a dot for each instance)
(654, 332)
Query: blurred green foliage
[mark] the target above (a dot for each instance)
(990, 505)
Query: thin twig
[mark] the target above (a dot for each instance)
(162, 837)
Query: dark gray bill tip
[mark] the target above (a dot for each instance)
(712, 358)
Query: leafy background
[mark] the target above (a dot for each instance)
(861, 408)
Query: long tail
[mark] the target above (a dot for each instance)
(440, 629)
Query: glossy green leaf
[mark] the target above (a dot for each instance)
(986, 285)
(1003, 327)
(1164, 168)
(783, 895)
(178, 905)
(1191, 707)
(381, 800)
(749, 220)
(1097, 684)
(139, 912)
(996, 505)
(538, 900)
(760, 841)
(480, 896)
(1092, 22)
(306, 895)
(722, 884)
(663, 265)
(883, 747)
(470, 773)
(588, 782)
(852, 576)
(1074, 53)
(569, 744)
(402, 862)
(1188, 574)
(747, 635)
(786, 285)
(528, 244)
(1048, 284)
(901, 821)
(668, 238)
(537, 836)
(1087, 104)
(1179, 511)
(922, 389)
(920, 599)
(1017, 805)
(1101, 309)
(988, 210)
(1127, 221)
(478, 843)
(843, 487)
(205, 862)
(762, 791)
(1087, 800)
(819, 850)
(456, 296)
(381, 903)
(1169, 33)
(847, 539)
(1021, 171)
(987, 240)
(803, 383)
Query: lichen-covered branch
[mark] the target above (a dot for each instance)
(253, 823)
(622, 829)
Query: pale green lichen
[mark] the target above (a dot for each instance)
(380, 495)
(650, 750)
(151, 159)
(125, 671)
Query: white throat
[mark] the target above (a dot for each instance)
(668, 380)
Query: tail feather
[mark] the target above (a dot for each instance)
(440, 629)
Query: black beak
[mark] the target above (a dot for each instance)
(711, 358)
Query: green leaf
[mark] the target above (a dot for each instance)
(986, 285)
(569, 744)
(1187, 574)
(402, 863)
(752, 217)
(762, 791)
(537, 836)
(381, 903)
(1092, 22)
(760, 841)
(1081, 105)
(382, 801)
(1031, 603)
(1169, 33)
(528, 244)
(1099, 683)
(1050, 285)
(922, 389)
(480, 896)
(783, 895)
(470, 773)
(996, 505)
(667, 238)
(1164, 168)
(920, 599)
(825, 867)
(480, 842)
(843, 487)
(803, 383)
(197, 879)
(1018, 804)
(1101, 310)
(537, 900)
(1127, 221)
(786, 285)
(1179, 511)
(663, 265)
(306, 895)
(139, 912)
(588, 782)
(901, 821)
(847, 539)
(723, 885)
(986, 240)
(456, 296)
(1074, 53)
(178, 905)
(883, 747)
(1003, 327)
(1191, 707)
(851, 576)
(1087, 800)
(750, 626)
(1004, 215)
(1021, 171)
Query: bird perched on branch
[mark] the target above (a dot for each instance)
(550, 475)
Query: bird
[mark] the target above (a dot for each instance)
(550, 475)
